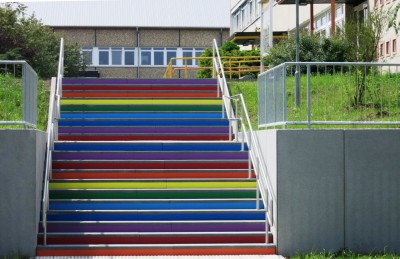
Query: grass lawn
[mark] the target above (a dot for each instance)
(11, 102)
(332, 99)
(346, 255)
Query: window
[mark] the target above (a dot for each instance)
(339, 11)
(87, 56)
(158, 56)
(145, 56)
(104, 56)
(187, 53)
(387, 48)
(198, 52)
(394, 46)
(171, 53)
(381, 49)
(116, 56)
(129, 56)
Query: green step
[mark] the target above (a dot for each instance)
(152, 194)
(112, 108)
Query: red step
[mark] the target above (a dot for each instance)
(151, 165)
(173, 251)
(149, 175)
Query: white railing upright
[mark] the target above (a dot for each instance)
(52, 135)
(239, 118)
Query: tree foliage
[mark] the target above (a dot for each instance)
(312, 48)
(25, 37)
(364, 36)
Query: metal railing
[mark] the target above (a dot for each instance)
(239, 120)
(52, 134)
(18, 94)
(330, 95)
(233, 65)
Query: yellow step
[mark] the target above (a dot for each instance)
(150, 185)
(141, 101)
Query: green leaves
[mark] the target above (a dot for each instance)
(27, 38)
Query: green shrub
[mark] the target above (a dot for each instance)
(312, 48)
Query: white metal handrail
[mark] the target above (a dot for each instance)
(52, 135)
(256, 159)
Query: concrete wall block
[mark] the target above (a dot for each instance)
(116, 37)
(159, 38)
(82, 37)
(199, 38)
(151, 72)
(21, 174)
(117, 72)
(372, 190)
(310, 191)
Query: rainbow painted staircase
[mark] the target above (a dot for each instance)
(146, 167)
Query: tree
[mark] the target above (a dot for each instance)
(393, 18)
(23, 37)
(365, 36)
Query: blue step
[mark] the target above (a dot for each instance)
(155, 216)
(166, 205)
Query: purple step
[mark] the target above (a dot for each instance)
(158, 227)
(148, 155)
(119, 130)
(94, 81)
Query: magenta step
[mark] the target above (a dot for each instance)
(149, 155)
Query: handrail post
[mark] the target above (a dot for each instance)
(243, 128)
(257, 185)
(308, 97)
(250, 147)
(186, 68)
(284, 97)
(214, 68)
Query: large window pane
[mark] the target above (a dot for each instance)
(188, 53)
(116, 56)
(171, 53)
(198, 52)
(158, 58)
(129, 57)
(145, 57)
(103, 56)
(87, 56)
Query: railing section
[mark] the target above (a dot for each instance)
(18, 94)
(240, 122)
(330, 95)
(52, 134)
(233, 66)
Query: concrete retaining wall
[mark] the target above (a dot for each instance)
(335, 189)
(22, 154)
